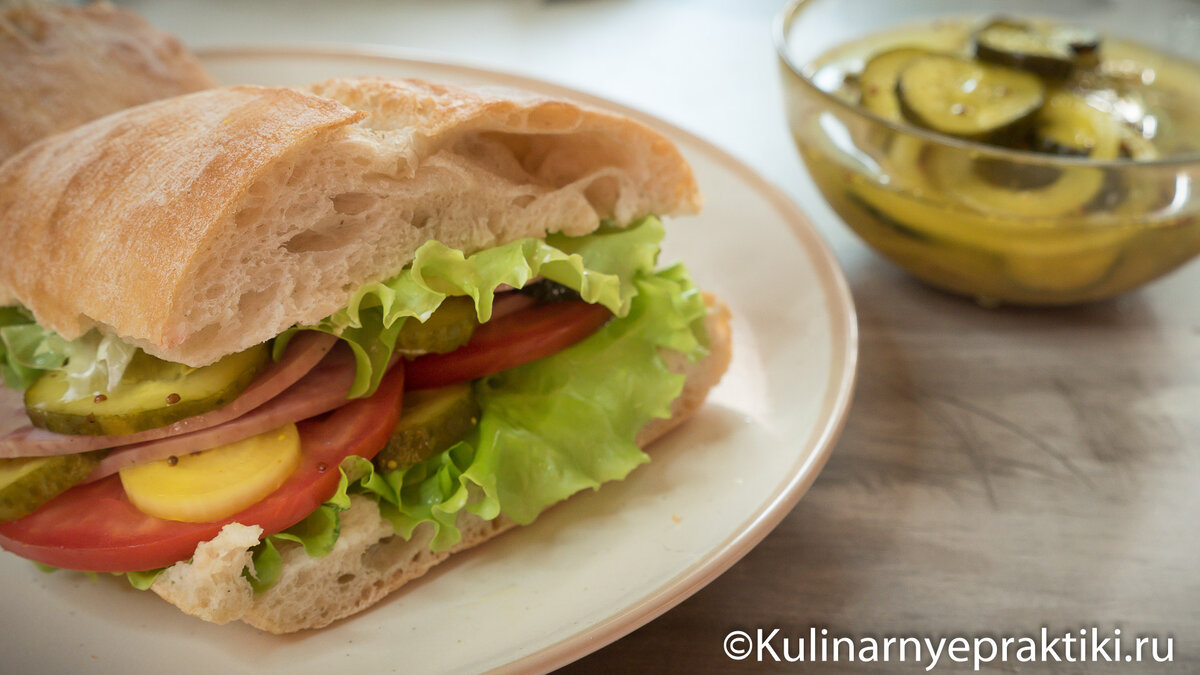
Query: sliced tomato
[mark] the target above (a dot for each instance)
(94, 527)
(509, 341)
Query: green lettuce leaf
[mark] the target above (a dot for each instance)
(139, 580)
(143, 580)
(527, 452)
(601, 267)
(26, 349)
(267, 564)
(318, 533)
(93, 363)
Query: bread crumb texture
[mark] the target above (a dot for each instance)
(211, 586)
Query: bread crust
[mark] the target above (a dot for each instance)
(63, 66)
(201, 225)
(104, 224)
(369, 561)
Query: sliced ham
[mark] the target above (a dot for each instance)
(12, 411)
(321, 390)
(303, 354)
(508, 303)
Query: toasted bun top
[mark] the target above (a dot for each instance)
(201, 225)
(63, 66)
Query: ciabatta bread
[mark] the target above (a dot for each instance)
(369, 560)
(63, 66)
(198, 226)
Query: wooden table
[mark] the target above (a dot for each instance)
(1001, 470)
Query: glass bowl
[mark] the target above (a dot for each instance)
(1066, 230)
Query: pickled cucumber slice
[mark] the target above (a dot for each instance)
(956, 172)
(1068, 125)
(29, 482)
(968, 99)
(1072, 271)
(432, 421)
(449, 328)
(1019, 45)
(904, 164)
(153, 393)
(1084, 43)
(878, 81)
(1136, 146)
(942, 240)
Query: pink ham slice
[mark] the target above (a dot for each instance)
(321, 390)
(303, 354)
(509, 303)
(12, 411)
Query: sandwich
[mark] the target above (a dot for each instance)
(273, 352)
(63, 66)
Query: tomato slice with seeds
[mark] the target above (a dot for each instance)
(509, 341)
(94, 528)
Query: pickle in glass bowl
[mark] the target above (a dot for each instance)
(1009, 159)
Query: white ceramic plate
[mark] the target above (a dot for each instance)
(590, 570)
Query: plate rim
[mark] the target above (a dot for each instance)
(839, 392)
